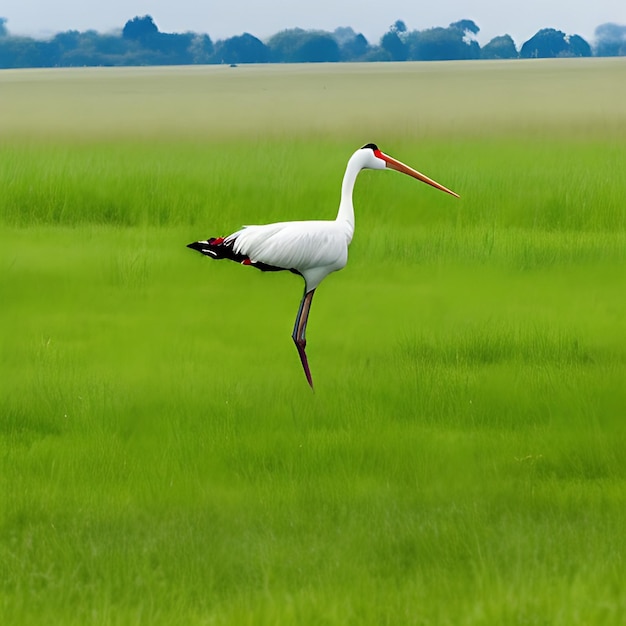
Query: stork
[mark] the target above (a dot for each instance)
(313, 248)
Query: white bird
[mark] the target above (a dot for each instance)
(313, 248)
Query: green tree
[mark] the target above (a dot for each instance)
(550, 43)
(172, 48)
(546, 43)
(395, 48)
(67, 40)
(111, 46)
(19, 52)
(244, 48)
(398, 27)
(610, 40)
(140, 28)
(201, 49)
(354, 49)
(72, 49)
(318, 48)
(578, 47)
(442, 44)
(296, 45)
(343, 34)
(284, 45)
(502, 47)
(466, 26)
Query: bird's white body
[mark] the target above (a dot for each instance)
(313, 248)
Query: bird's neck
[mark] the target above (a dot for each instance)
(346, 208)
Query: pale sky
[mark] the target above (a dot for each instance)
(225, 18)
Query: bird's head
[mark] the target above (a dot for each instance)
(371, 157)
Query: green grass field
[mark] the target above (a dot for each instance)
(462, 460)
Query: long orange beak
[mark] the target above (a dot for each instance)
(405, 169)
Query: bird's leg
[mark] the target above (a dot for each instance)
(299, 331)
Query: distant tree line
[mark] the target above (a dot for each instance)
(141, 43)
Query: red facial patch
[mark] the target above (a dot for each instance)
(379, 154)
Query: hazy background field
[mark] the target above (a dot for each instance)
(462, 459)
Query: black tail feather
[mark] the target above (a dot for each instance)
(219, 248)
